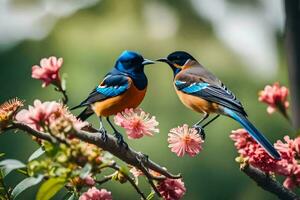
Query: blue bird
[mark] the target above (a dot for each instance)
(123, 87)
(203, 92)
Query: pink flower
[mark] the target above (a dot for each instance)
(136, 172)
(293, 180)
(252, 151)
(48, 71)
(89, 181)
(185, 140)
(256, 156)
(39, 114)
(276, 97)
(49, 114)
(95, 194)
(288, 152)
(137, 123)
(171, 189)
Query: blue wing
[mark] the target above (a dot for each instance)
(111, 86)
(209, 92)
(190, 88)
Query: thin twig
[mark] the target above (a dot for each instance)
(131, 181)
(65, 98)
(267, 183)
(31, 131)
(148, 174)
(104, 180)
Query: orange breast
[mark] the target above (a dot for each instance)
(197, 104)
(130, 99)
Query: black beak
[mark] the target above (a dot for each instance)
(147, 62)
(165, 60)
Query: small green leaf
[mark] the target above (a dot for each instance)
(2, 154)
(70, 196)
(85, 171)
(151, 195)
(49, 188)
(40, 151)
(25, 184)
(9, 165)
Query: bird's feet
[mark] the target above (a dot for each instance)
(200, 131)
(120, 140)
(103, 133)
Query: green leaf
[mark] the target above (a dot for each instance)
(70, 196)
(85, 171)
(40, 151)
(2, 154)
(151, 195)
(25, 184)
(9, 165)
(49, 188)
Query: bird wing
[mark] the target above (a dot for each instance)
(217, 93)
(111, 86)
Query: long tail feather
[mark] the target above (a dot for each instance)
(75, 107)
(86, 113)
(260, 138)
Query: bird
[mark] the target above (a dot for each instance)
(201, 91)
(123, 87)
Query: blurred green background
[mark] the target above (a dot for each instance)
(239, 41)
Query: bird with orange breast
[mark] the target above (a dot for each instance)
(203, 92)
(123, 87)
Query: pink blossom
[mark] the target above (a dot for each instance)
(137, 123)
(39, 114)
(255, 155)
(287, 150)
(89, 181)
(77, 123)
(95, 194)
(293, 180)
(48, 71)
(275, 96)
(136, 172)
(252, 151)
(171, 189)
(42, 115)
(185, 140)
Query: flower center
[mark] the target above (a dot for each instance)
(186, 138)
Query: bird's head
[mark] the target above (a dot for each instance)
(177, 60)
(131, 62)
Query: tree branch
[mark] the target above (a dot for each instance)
(131, 181)
(267, 183)
(128, 155)
(33, 132)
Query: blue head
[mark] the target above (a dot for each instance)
(176, 60)
(131, 62)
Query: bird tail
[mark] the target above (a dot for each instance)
(258, 137)
(86, 113)
(75, 107)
